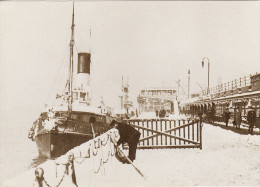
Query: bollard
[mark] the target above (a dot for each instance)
(39, 179)
(70, 170)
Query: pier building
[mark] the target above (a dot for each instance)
(242, 94)
(155, 99)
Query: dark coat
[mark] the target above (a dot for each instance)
(127, 132)
(238, 117)
(251, 117)
(227, 115)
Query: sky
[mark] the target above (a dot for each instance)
(153, 43)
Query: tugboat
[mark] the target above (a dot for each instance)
(74, 121)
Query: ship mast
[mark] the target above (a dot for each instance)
(71, 63)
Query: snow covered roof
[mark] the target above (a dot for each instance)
(236, 96)
(160, 88)
(190, 100)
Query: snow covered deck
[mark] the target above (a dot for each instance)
(227, 158)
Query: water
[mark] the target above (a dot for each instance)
(17, 152)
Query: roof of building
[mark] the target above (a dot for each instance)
(159, 88)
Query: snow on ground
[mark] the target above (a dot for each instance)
(227, 158)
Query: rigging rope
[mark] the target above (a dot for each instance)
(60, 68)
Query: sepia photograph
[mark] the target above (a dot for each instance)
(129, 93)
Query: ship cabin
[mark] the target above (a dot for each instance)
(78, 121)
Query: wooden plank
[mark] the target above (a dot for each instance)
(200, 135)
(165, 130)
(152, 129)
(170, 131)
(161, 130)
(159, 133)
(184, 129)
(143, 130)
(139, 130)
(193, 132)
(156, 127)
(189, 130)
(179, 131)
(147, 132)
(174, 132)
(178, 127)
(197, 132)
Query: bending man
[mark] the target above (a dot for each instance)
(128, 134)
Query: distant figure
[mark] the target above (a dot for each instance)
(200, 115)
(128, 134)
(212, 114)
(227, 116)
(162, 113)
(209, 116)
(238, 118)
(157, 113)
(251, 118)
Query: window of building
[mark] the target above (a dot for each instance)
(74, 116)
(82, 96)
(75, 95)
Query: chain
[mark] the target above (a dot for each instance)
(46, 182)
(100, 163)
(83, 157)
(95, 145)
(108, 155)
(104, 144)
(42, 179)
(61, 179)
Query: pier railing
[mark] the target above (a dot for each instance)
(242, 82)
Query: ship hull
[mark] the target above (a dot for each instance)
(52, 144)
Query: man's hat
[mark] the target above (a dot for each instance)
(113, 122)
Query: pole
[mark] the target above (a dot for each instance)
(178, 87)
(189, 84)
(208, 76)
(200, 122)
(208, 92)
(118, 149)
(71, 63)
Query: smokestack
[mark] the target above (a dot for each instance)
(84, 63)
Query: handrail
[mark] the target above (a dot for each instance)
(229, 86)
